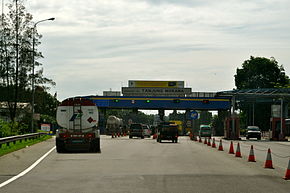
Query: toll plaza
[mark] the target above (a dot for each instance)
(173, 95)
(277, 98)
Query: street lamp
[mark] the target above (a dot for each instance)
(33, 64)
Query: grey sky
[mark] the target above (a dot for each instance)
(96, 45)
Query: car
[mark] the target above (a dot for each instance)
(136, 130)
(146, 131)
(205, 131)
(167, 132)
(253, 132)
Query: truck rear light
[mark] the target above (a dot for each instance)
(90, 135)
(63, 135)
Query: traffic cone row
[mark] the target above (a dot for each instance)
(251, 158)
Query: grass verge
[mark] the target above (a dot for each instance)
(19, 145)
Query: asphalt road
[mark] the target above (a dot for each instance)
(143, 165)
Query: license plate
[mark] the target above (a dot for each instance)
(77, 141)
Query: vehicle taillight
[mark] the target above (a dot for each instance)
(90, 135)
(63, 135)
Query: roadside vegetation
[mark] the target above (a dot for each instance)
(18, 69)
(23, 144)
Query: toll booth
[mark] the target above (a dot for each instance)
(232, 128)
(276, 133)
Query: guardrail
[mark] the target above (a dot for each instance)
(13, 139)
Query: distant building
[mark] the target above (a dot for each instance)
(21, 110)
(111, 93)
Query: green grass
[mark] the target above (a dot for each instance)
(19, 145)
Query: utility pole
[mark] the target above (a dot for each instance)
(16, 62)
(33, 66)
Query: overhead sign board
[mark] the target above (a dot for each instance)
(178, 92)
(162, 84)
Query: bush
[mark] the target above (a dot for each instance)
(10, 128)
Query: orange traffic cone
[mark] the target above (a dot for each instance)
(200, 141)
(205, 141)
(231, 151)
(238, 151)
(287, 175)
(221, 146)
(268, 163)
(213, 143)
(251, 155)
(208, 142)
(190, 136)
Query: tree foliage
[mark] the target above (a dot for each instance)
(16, 56)
(260, 72)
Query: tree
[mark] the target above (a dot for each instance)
(259, 72)
(16, 56)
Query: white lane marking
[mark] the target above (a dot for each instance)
(27, 170)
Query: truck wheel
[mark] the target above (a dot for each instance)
(259, 138)
(96, 146)
(130, 136)
(60, 146)
(60, 149)
(142, 137)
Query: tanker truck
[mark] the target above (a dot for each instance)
(114, 125)
(78, 119)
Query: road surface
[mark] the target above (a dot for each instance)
(143, 165)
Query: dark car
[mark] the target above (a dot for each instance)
(167, 132)
(253, 132)
(136, 130)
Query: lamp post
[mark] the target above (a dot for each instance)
(33, 65)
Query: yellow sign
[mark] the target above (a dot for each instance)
(160, 84)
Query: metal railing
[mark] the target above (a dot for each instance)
(8, 140)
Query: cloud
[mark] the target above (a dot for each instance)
(95, 44)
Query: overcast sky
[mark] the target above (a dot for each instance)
(97, 45)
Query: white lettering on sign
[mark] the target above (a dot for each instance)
(155, 91)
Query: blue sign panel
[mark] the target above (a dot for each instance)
(170, 103)
(193, 115)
